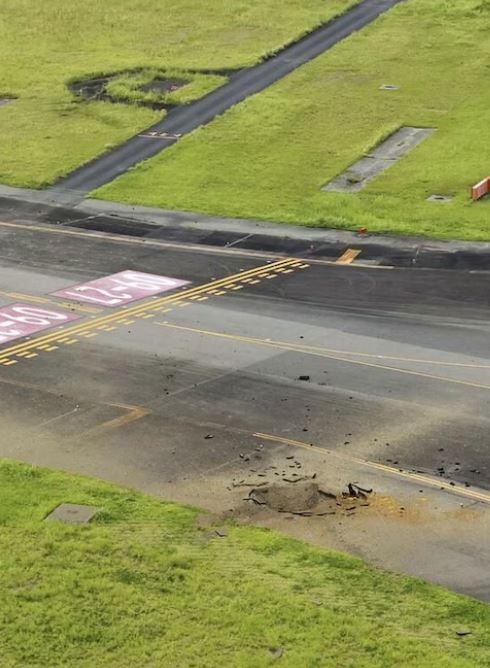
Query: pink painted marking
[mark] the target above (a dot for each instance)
(19, 320)
(122, 288)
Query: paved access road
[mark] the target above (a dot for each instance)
(235, 361)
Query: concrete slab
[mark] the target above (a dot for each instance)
(73, 513)
(439, 198)
(381, 158)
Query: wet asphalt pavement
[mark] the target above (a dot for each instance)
(388, 366)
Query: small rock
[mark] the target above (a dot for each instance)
(221, 533)
(305, 378)
(208, 436)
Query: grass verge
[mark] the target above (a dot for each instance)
(269, 157)
(43, 45)
(142, 586)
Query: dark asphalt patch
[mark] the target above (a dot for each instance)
(413, 256)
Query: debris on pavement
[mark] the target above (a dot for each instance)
(357, 492)
(304, 378)
(221, 533)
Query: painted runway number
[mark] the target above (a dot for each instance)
(19, 320)
(122, 288)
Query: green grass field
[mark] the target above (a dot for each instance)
(44, 44)
(268, 157)
(142, 586)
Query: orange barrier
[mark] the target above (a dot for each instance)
(481, 189)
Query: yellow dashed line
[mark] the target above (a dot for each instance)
(254, 282)
(202, 299)
(221, 292)
(238, 287)
(10, 363)
(31, 355)
(70, 342)
(90, 335)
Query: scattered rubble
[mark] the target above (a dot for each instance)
(296, 492)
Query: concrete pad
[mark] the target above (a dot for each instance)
(439, 198)
(73, 513)
(378, 160)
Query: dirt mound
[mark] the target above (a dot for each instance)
(307, 498)
(290, 498)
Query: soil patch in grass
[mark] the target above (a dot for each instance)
(164, 85)
(149, 88)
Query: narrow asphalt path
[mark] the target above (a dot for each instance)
(185, 119)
